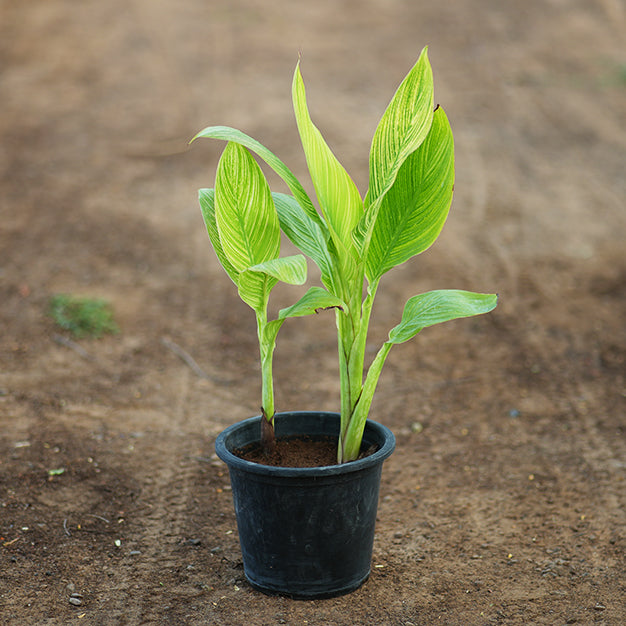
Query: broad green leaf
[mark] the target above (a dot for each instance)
(254, 289)
(256, 282)
(304, 233)
(435, 307)
(337, 194)
(246, 218)
(207, 205)
(289, 269)
(226, 133)
(401, 130)
(403, 126)
(313, 301)
(415, 208)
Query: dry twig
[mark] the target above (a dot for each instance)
(72, 345)
(185, 356)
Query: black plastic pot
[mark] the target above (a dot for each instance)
(305, 532)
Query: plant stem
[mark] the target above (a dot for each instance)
(354, 434)
(353, 329)
(268, 438)
(344, 346)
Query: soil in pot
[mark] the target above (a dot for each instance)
(297, 452)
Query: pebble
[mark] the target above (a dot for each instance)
(76, 599)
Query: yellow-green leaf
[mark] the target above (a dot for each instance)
(288, 269)
(305, 233)
(206, 198)
(403, 126)
(246, 218)
(254, 289)
(401, 130)
(414, 210)
(313, 301)
(435, 307)
(339, 199)
(226, 133)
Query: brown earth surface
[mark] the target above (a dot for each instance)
(505, 500)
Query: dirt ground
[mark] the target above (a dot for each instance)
(505, 501)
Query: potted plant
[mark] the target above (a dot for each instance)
(308, 532)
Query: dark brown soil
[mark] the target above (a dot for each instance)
(505, 500)
(293, 452)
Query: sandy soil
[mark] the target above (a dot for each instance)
(508, 507)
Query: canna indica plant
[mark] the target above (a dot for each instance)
(243, 227)
(353, 240)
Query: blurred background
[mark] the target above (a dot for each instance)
(100, 99)
(99, 102)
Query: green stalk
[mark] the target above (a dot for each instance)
(354, 434)
(344, 345)
(357, 356)
(352, 340)
(268, 438)
(346, 322)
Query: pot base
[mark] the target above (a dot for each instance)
(308, 594)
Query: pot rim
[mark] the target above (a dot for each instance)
(383, 436)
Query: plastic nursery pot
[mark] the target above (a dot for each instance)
(305, 532)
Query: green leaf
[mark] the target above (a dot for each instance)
(289, 269)
(403, 126)
(313, 301)
(304, 233)
(246, 218)
(226, 133)
(254, 289)
(415, 208)
(207, 205)
(337, 194)
(435, 307)
(256, 282)
(401, 130)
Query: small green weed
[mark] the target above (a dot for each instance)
(83, 317)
